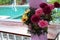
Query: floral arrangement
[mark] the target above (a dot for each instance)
(38, 19)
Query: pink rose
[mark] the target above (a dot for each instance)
(51, 6)
(39, 11)
(43, 23)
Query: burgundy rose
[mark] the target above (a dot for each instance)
(35, 19)
(56, 4)
(47, 10)
(42, 5)
(51, 6)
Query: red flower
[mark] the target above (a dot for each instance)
(51, 6)
(47, 10)
(35, 19)
(56, 4)
(43, 23)
(42, 5)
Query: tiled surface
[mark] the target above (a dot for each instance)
(52, 31)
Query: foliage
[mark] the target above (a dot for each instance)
(56, 14)
(52, 1)
(2, 2)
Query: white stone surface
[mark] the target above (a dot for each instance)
(15, 29)
(16, 26)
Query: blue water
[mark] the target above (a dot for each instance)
(10, 11)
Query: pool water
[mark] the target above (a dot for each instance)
(16, 12)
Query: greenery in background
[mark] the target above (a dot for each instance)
(2, 2)
(56, 14)
(19, 1)
(58, 1)
(52, 1)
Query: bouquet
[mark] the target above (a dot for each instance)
(38, 19)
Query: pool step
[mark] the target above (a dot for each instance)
(4, 17)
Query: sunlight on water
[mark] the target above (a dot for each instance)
(15, 8)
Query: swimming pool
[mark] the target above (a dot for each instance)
(13, 12)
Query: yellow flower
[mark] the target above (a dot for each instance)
(27, 11)
(24, 18)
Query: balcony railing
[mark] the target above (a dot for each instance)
(13, 36)
(58, 36)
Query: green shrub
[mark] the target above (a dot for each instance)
(52, 1)
(2, 2)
